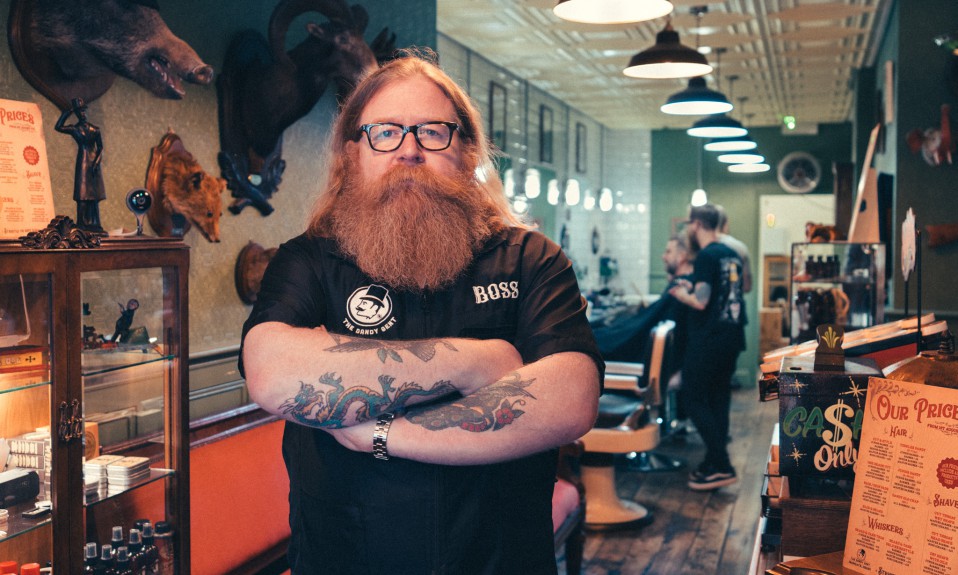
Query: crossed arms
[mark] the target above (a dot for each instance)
(458, 401)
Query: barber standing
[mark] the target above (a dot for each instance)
(427, 351)
(716, 336)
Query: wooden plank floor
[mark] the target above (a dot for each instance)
(693, 533)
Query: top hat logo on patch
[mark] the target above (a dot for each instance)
(369, 306)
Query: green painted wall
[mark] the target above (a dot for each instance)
(925, 79)
(674, 176)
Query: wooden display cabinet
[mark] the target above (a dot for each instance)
(64, 372)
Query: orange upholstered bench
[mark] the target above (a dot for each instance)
(239, 507)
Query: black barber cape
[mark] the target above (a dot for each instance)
(351, 513)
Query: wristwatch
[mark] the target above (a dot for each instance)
(380, 434)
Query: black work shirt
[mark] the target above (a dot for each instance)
(723, 319)
(350, 513)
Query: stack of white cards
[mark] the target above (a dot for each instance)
(95, 469)
(125, 472)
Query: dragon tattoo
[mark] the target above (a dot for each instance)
(329, 404)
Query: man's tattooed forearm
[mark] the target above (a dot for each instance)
(489, 409)
(332, 405)
(424, 349)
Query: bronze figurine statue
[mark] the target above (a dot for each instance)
(88, 189)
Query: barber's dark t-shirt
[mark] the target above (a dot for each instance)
(351, 513)
(723, 319)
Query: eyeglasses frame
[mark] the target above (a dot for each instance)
(453, 126)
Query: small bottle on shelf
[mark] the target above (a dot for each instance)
(123, 564)
(30, 569)
(7, 567)
(151, 554)
(106, 561)
(163, 538)
(90, 559)
(116, 541)
(136, 551)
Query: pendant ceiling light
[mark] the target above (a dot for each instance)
(740, 144)
(749, 168)
(667, 58)
(741, 158)
(717, 126)
(612, 11)
(697, 100)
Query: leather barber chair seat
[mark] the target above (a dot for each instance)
(625, 427)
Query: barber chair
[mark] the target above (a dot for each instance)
(624, 427)
(568, 508)
(659, 367)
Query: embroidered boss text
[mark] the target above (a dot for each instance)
(501, 290)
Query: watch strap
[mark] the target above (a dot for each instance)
(381, 434)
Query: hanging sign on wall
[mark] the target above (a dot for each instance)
(26, 198)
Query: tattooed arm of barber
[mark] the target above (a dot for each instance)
(543, 404)
(329, 381)
(549, 402)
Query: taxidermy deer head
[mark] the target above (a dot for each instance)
(75, 48)
(265, 88)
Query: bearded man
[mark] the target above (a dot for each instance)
(427, 351)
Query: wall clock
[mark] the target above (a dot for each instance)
(799, 172)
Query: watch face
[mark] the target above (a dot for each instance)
(799, 172)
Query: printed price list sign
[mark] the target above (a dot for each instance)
(904, 513)
(26, 198)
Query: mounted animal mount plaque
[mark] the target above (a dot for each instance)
(184, 194)
(250, 266)
(70, 49)
(263, 89)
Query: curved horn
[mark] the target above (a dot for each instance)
(287, 10)
(360, 18)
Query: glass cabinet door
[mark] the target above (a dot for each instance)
(26, 473)
(837, 282)
(127, 364)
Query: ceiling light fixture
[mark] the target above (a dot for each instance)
(740, 144)
(612, 11)
(697, 100)
(749, 168)
(718, 125)
(741, 158)
(667, 58)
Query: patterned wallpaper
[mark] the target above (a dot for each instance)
(132, 121)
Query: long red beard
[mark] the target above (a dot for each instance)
(412, 228)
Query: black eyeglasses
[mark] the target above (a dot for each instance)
(432, 136)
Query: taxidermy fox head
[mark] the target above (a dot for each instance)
(191, 192)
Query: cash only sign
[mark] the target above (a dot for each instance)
(904, 512)
(821, 409)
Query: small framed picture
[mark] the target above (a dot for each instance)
(497, 115)
(545, 134)
(581, 148)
